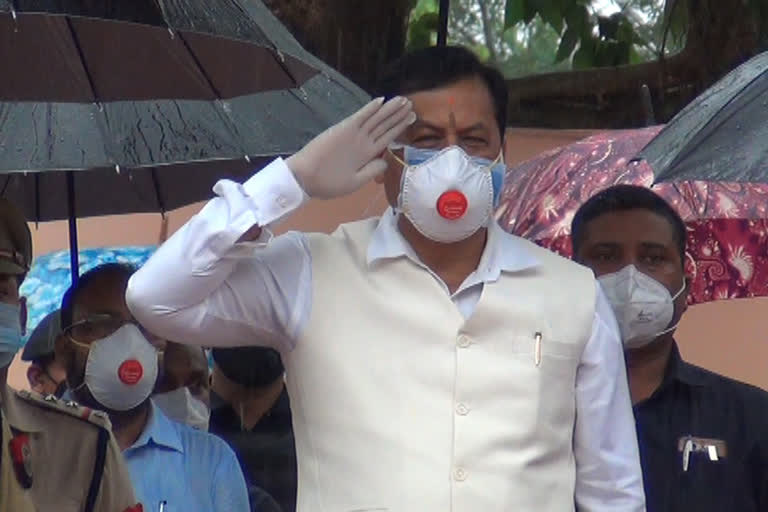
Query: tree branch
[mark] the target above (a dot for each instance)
(487, 31)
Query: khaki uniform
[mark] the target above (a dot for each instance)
(13, 497)
(70, 458)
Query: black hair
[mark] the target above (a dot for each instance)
(121, 270)
(44, 360)
(620, 198)
(249, 366)
(440, 66)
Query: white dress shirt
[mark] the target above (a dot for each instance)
(204, 287)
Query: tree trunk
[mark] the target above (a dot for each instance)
(357, 38)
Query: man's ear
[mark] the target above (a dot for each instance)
(34, 374)
(686, 291)
(23, 315)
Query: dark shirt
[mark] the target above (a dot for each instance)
(696, 404)
(267, 452)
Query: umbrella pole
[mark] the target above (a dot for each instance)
(73, 250)
(442, 27)
(645, 95)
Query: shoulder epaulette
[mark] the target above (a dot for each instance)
(69, 407)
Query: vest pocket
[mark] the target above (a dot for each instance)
(554, 358)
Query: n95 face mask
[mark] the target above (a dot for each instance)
(446, 194)
(121, 369)
(181, 406)
(643, 306)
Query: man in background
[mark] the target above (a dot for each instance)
(112, 366)
(183, 388)
(55, 455)
(703, 437)
(252, 412)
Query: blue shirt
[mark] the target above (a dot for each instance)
(188, 469)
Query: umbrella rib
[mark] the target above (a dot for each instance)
(233, 127)
(80, 52)
(158, 194)
(200, 67)
(281, 62)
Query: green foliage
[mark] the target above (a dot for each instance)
(529, 36)
(422, 32)
(601, 40)
(423, 24)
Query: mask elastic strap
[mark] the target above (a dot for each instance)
(682, 288)
(673, 327)
(77, 388)
(669, 329)
(80, 343)
(396, 146)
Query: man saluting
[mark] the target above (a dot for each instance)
(433, 361)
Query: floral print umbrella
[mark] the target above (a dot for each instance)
(727, 246)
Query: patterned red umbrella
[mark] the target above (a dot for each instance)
(727, 222)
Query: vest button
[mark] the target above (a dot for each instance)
(459, 474)
(462, 410)
(464, 341)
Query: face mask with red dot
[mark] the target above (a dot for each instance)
(447, 194)
(121, 369)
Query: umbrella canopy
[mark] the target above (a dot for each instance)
(721, 135)
(141, 117)
(727, 244)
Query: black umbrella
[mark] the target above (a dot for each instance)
(721, 135)
(141, 105)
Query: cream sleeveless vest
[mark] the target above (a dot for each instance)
(400, 405)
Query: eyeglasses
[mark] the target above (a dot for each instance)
(99, 326)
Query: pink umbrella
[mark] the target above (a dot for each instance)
(727, 222)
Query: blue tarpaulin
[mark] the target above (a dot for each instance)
(50, 276)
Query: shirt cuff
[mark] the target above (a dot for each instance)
(274, 192)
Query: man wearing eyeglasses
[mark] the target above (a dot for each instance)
(112, 365)
(54, 455)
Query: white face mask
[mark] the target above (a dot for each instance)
(182, 407)
(643, 307)
(447, 195)
(121, 369)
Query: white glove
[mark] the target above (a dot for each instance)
(347, 155)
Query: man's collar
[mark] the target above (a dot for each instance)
(503, 252)
(159, 431)
(677, 369)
